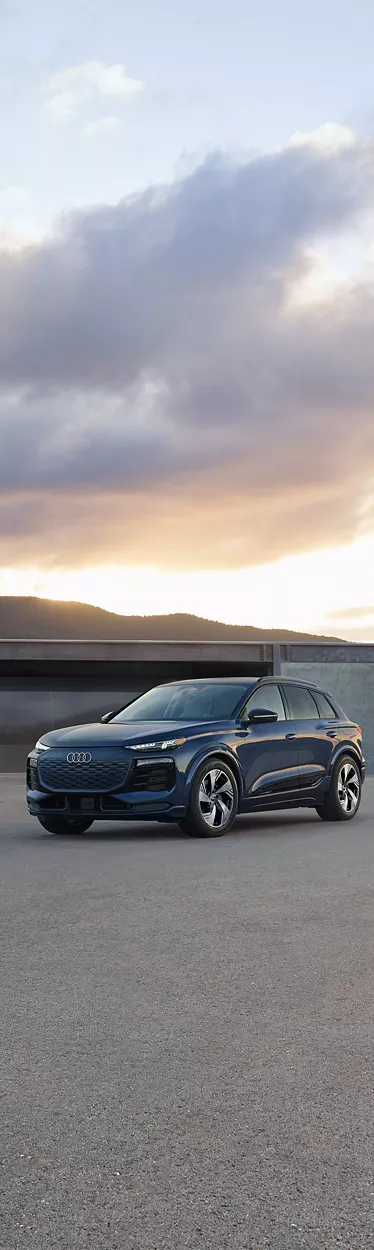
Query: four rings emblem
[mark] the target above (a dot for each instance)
(79, 757)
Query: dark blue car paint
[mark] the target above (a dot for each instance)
(279, 764)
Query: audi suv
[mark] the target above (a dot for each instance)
(199, 752)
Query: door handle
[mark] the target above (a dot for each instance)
(290, 737)
(331, 733)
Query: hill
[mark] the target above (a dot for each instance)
(23, 617)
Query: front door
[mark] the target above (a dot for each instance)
(268, 752)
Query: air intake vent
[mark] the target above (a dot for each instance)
(32, 774)
(156, 776)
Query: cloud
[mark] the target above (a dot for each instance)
(328, 138)
(68, 89)
(163, 396)
(103, 126)
(351, 614)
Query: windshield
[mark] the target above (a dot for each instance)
(203, 701)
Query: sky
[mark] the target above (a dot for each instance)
(186, 308)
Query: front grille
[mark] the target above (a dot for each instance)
(152, 776)
(103, 772)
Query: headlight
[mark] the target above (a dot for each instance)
(40, 746)
(167, 745)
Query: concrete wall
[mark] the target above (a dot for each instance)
(353, 687)
(27, 710)
(46, 684)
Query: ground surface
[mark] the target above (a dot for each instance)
(187, 1031)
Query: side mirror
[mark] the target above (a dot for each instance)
(104, 719)
(261, 716)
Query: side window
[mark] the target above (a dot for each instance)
(302, 704)
(269, 698)
(325, 707)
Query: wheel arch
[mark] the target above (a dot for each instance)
(341, 750)
(218, 753)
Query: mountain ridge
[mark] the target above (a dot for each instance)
(24, 616)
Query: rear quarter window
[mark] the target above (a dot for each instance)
(325, 707)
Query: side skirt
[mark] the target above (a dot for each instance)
(274, 805)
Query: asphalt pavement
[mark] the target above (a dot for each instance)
(187, 1035)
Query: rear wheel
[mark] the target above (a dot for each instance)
(213, 801)
(344, 797)
(64, 826)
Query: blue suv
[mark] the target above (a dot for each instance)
(199, 752)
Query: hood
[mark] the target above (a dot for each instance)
(127, 733)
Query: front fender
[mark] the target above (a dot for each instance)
(205, 753)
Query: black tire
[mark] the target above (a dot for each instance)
(344, 796)
(220, 815)
(64, 826)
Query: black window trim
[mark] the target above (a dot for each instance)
(264, 687)
(299, 686)
(334, 715)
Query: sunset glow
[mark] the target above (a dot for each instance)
(186, 320)
(311, 593)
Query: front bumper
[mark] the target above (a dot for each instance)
(164, 811)
(142, 796)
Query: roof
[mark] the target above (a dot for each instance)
(215, 681)
(289, 681)
(243, 681)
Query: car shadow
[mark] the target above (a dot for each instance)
(267, 824)
(260, 824)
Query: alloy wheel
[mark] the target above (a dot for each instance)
(216, 798)
(348, 787)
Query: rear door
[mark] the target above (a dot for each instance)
(268, 752)
(316, 737)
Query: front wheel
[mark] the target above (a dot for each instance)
(64, 826)
(213, 801)
(344, 796)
